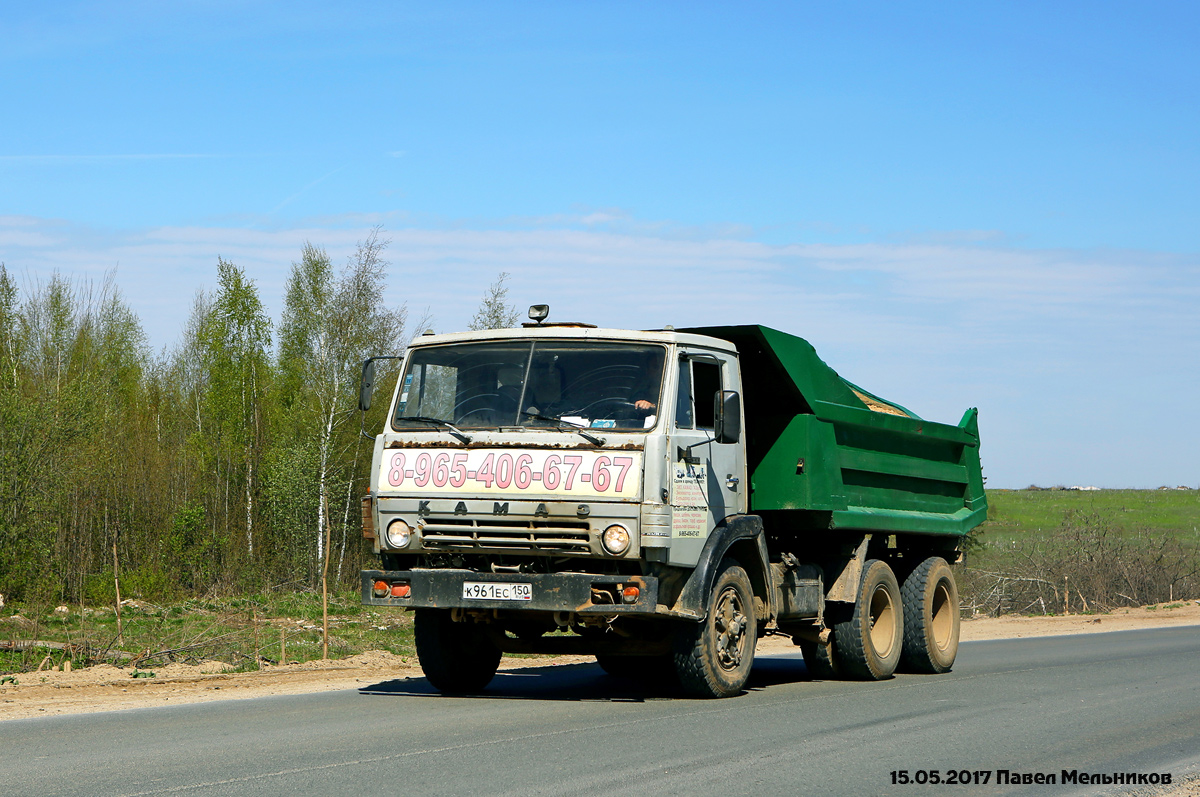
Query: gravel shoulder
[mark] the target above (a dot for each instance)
(108, 688)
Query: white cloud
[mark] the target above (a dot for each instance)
(638, 279)
(1051, 344)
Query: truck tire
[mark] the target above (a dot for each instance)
(867, 646)
(819, 660)
(931, 619)
(713, 657)
(455, 657)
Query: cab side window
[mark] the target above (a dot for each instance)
(699, 380)
(706, 381)
(683, 401)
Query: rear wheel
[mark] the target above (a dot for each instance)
(713, 658)
(931, 618)
(455, 657)
(867, 646)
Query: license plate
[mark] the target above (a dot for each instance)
(497, 591)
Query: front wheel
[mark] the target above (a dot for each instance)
(713, 658)
(455, 657)
(867, 646)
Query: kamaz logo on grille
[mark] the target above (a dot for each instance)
(500, 509)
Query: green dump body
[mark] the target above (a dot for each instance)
(815, 444)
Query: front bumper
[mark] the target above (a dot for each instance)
(583, 593)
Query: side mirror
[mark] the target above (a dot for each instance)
(367, 389)
(727, 412)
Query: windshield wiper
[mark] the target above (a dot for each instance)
(564, 426)
(454, 430)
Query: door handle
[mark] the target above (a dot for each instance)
(731, 481)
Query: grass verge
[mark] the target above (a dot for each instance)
(240, 633)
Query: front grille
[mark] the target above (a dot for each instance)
(462, 534)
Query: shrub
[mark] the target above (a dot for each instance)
(1086, 564)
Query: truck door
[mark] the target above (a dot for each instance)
(707, 479)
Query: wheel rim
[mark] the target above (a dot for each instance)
(941, 626)
(883, 622)
(729, 621)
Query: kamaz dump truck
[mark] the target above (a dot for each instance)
(661, 500)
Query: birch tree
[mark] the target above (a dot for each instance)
(71, 383)
(9, 352)
(235, 337)
(331, 323)
(189, 366)
(19, 434)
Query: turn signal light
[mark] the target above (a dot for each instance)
(401, 590)
(380, 589)
(630, 595)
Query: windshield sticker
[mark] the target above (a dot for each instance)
(595, 474)
(604, 424)
(404, 394)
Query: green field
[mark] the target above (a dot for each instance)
(1013, 513)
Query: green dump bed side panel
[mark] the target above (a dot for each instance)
(812, 444)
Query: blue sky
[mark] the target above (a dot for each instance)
(988, 204)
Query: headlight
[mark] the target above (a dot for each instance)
(616, 539)
(398, 534)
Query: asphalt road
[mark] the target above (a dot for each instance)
(1119, 702)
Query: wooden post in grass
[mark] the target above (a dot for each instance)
(117, 586)
(325, 584)
(257, 649)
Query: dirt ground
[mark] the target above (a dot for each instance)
(108, 688)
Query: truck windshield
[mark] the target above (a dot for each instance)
(543, 384)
